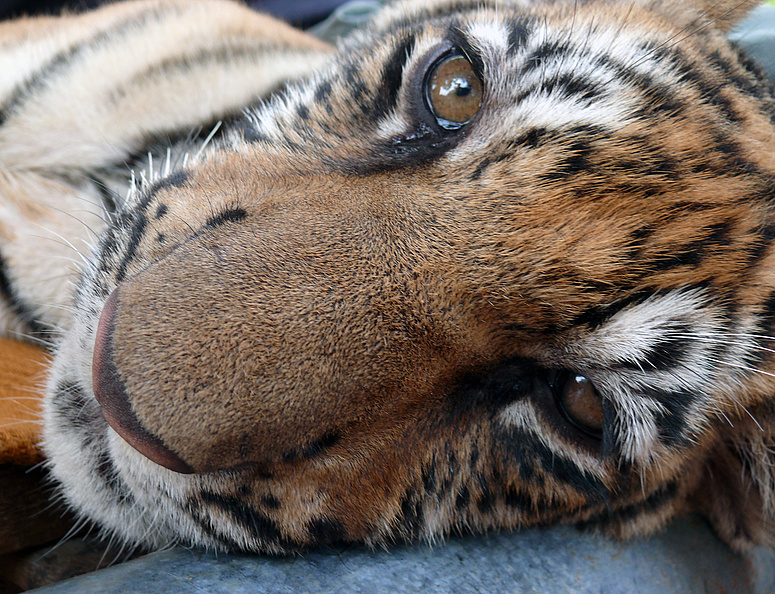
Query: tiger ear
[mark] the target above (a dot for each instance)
(736, 487)
(723, 14)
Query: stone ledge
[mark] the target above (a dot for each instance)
(686, 558)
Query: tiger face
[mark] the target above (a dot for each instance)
(495, 264)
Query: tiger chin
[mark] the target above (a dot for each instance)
(486, 265)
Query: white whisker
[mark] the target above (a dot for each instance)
(207, 140)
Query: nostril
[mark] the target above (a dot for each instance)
(111, 394)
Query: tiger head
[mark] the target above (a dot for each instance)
(498, 264)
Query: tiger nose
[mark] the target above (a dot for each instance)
(112, 396)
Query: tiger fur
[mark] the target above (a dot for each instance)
(348, 318)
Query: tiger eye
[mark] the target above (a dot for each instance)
(454, 92)
(582, 404)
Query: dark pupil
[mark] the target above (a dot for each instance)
(460, 86)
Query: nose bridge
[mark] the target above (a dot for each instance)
(230, 190)
(271, 328)
(210, 203)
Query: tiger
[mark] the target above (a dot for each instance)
(482, 265)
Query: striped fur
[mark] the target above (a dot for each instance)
(343, 321)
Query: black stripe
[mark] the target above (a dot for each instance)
(576, 141)
(760, 246)
(137, 221)
(110, 199)
(463, 498)
(411, 519)
(207, 55)
(671, 423)
(111, 479)
(315, 448)
(579, 146)
(743, 74)
(270, 501)
(576, 160)
(439, 11)
(391, 77)
(83, 415)
(460, 41)
(205, 521)
(76, 409)
(486, 499)
(567, 85)
(248, 131)
(355, 86)
(429, 477)
(766, 321)
(733, 155)
(323, 92)
(184, 136)
(597, 315)
(64, 58)
(708, 90)
(664, 354)
(529, 139)
(260, 526)
(695, 252)
(659, 97)
(763, 87)
(518, 34)
(19, 307)
(672, 428)
(520, 445)
(326, 532)
(525, 502)
(637, 242)
(108, 246)
(136, 235)
(652, 503)
(230, 215)
(544, 52)
(651, 159)
(176, 179)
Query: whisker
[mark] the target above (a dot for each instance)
(207, 140)
(24, 336)
(66, 242)
(750, 370)
(686, 32)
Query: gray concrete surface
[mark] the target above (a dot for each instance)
(757, 35)
(686, 558)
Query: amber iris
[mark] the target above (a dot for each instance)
(582, 404)
(454, 91)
